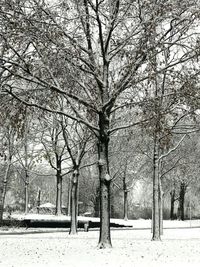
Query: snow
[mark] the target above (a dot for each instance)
(47, 205)
(141, 223)
(132, 247)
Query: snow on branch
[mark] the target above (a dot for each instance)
(173, 149)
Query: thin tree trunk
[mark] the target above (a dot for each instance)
(38, 201)
(105, 181)
(112, 205)
(74, 203)
(26, 209)
(59, 189)
(125, 198)
(97, 203)
(125, 204)
(172, 194)
(152, 215)
(59, 195)
(3, 194)
(181, 215)
(69, 198)
(156, 213)
(160, 208)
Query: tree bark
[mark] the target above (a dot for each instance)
(156, 210)
(26, 208)
(172, 194)
(104, 238)
(3, 193)
(59, 189)
(74, 203)
(126, 205)
(38, 201)
(160, 208)
(105, 181)
(69, 198)
(181, 214)
(97, 203)
(125, 198)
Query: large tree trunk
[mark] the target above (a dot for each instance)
(172, 194)
(181, 214)
(58, 189)
(104, 238)
(3, 193)
(105, 181)
(156, 191)
(74, 202)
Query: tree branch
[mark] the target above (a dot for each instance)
(173, 149)
(83, 121)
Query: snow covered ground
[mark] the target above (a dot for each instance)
(134, 223)
(131, 247)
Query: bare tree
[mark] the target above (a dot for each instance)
(11, 134)
(55, 152)
(75, 50)
(76, 139)
(7, 153)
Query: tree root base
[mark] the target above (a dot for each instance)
(73, 232)
(156, 239)
(103, 245)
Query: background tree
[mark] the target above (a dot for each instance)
(76, 139)
(56, 154)
(11, 131)
(7, 153)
